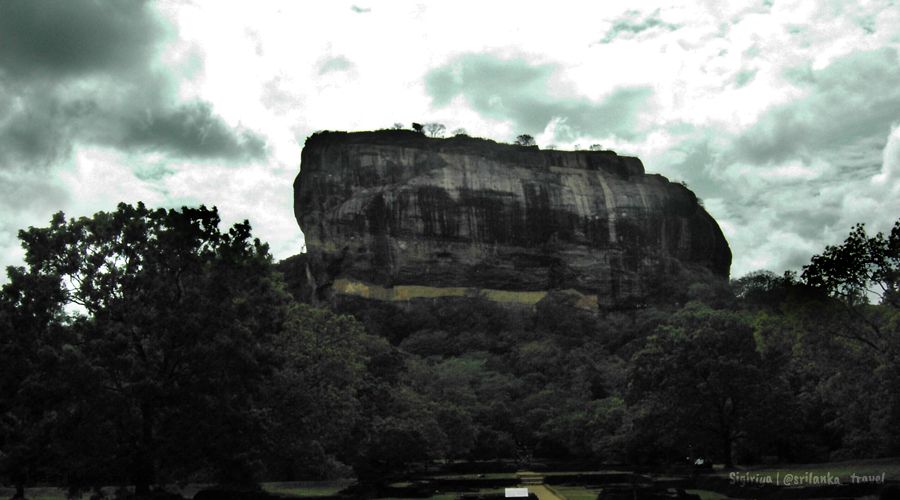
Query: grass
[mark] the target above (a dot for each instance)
(306, 489)
(890, 467)
(486, 475)
(843, 470)
(292, 489)
(575, 492)
(439, 496)
(707, 495)
(575, 473)
(42, 493)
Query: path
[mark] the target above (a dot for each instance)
(535, 484)
(542, 492)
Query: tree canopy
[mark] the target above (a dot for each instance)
(168, 330)
(860, 267)
(525, 140)
(147, 346)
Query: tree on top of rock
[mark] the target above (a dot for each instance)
(525, 140)
(435, 129)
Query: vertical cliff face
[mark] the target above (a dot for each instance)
(394, 215)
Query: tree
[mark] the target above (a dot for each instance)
(418, 127)
(435, 129)
(699, 384)
(525, 140)
(315, 394)
(460, 131)
(170, 324)
(860, 267)
(29, 383)
(397, 126)
(849, 276)
(596, 147)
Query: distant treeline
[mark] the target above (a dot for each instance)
(145, 347)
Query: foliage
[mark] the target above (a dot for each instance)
(525, 140)
(435, 129)
(700, 384)
(31, 360)
(146, 346)
(315, 394)
(859, 267)
(168, 333)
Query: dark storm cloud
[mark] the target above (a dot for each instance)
(83, 71)
(37, 125)
(22, 192)
(190, 131)
(516, 90)
(854, 98)
(631, 24)
(72, 38)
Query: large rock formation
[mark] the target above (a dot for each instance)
(397, 215)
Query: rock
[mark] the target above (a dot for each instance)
(395, 215)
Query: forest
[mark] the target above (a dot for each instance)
(147, 347)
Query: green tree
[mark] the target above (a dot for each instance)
(525, 140)
(435, 129)
(402, 429)
(29, 341)
(170, 326)
(699, 383)
(859, 267)
(315, 396)
(860, 337)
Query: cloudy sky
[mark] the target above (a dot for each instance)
(782, 115)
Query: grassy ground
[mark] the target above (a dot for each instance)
(439, 496)
(487, 475)
(707, 495)
(843, 470)
(890, 468)
(572, 473)
(292, 489)
(44, 493)
(306, 489)
(575, 492)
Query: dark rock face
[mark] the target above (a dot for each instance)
(395, 208)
